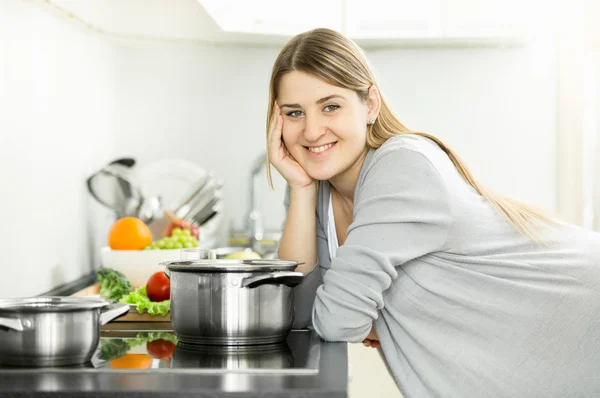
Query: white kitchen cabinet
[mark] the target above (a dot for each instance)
(497, 18)
(268, 17)
(387, 19)
(373, 23)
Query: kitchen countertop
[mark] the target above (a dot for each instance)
(331, 381)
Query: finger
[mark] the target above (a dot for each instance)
(274, 133)
(272, 120)
(276, 129)
(277, 138)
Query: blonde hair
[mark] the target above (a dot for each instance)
(337, 60)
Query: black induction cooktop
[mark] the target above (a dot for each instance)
(131, 351)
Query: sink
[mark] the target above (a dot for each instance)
(265, 253)
(267, 246)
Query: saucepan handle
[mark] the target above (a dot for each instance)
(288, 278)
(15, 324)
(113, 312)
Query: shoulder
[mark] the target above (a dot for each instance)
(403, 143)
(409, 153)
(403, 164)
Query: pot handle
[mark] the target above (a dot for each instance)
(288, 278)
(15, 324)
(113, 312)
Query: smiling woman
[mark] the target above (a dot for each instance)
(329, 130)
(468, 292)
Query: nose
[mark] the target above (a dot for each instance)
(313, 129)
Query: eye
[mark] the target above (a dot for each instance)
(294, 113)
(331, 108)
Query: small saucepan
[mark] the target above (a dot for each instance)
(53, 331)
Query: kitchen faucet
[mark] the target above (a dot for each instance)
(255, 223)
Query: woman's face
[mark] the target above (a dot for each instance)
(324, 126)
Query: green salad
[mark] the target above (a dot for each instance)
(114, 286)
(142, 303)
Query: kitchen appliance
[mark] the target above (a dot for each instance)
(299, 354)
(232, 302)
(53, 331)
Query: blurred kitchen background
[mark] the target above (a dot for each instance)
(180, 87)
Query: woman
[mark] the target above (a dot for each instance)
(469, 293)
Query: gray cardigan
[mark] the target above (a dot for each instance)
(463, 305)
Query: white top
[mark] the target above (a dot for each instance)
(332, 242)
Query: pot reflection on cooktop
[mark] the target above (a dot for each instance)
(269, 356)
(161, 351)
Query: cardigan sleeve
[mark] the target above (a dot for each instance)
(401, 212)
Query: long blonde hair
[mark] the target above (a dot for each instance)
(337, 60)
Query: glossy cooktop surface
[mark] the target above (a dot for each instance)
(160, 351)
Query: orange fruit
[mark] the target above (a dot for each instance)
(129, 233)
(131, 361)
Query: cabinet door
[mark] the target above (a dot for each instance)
(496, 18)
(392, 19)
(272, 18)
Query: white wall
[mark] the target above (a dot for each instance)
(496, 107)
(208, 105)
(57, 124)
(594, 138)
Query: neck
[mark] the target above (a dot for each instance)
(345, 182)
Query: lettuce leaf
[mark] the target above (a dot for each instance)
(142, 303)
(148, 337)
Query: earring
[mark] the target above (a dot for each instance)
(372, 121)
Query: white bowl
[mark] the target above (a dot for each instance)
(137, 265)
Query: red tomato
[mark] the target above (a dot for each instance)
(160, 349)
(158, 287)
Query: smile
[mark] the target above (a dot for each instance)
(319, 149)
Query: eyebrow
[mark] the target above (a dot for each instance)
(324, 99)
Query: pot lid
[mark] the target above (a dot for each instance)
(231, 265)
(52, 304)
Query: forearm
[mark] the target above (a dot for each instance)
(299, 241)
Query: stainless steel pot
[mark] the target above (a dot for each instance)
(53, 331)
(232, 302)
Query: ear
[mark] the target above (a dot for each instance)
(373, 103)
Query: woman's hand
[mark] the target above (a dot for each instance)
(372, 339)
(371, 343)
(281, 158)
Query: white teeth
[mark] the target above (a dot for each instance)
(321, 148)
